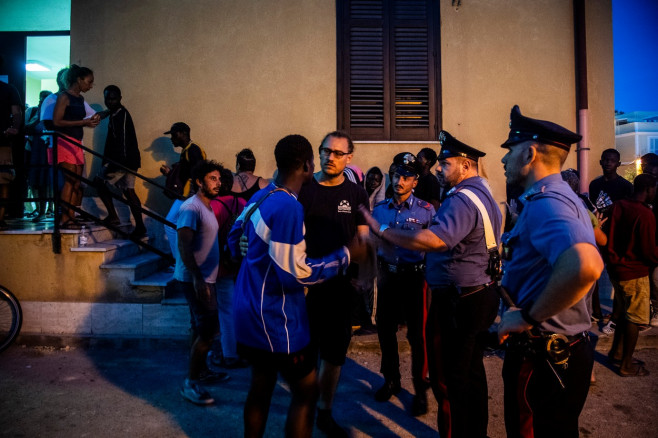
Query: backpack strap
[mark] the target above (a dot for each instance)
(255, 206)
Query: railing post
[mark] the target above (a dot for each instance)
(57, 236)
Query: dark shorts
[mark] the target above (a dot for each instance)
(292, 367)
(329, 307)
(203, 312)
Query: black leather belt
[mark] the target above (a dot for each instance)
(468, 290)
(402, 268)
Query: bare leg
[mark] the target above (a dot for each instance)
(257, 406)
(631, 332)
(302, 407)
(135, 208)
(76, 198)
(66, 194)
(198, 354)
(106, 197)
(328, 380)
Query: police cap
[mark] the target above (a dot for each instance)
(406, 164)
(524, 128)
(451, 147)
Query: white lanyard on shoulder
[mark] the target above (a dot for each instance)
(488, 229)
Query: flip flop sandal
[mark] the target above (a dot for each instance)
(617, 362)
(639, 372)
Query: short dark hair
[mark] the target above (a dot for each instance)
(203, 168)
(649, 159)
(340, 134)
(226, 178)
(643, 182)
(375, 170)
(246, 160)
(291, 152)
(430, 154)
(76, 72)
(112, 89)
(611, 151)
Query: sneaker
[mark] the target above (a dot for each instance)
(209, 377)
(192, 392)
(609, 328)
(654, 319)
(328, 425)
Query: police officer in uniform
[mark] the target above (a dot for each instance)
(401, 283)
(464, 299)
(551, 263)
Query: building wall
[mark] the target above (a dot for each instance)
(243, 74)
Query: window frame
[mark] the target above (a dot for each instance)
(389, 131)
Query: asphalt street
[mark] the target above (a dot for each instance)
(130, 389)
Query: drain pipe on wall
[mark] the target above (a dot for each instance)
(582, 101)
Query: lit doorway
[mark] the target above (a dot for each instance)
(45, 56)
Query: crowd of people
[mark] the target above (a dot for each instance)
(305, 244)
(276, 271)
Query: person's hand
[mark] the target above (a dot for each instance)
(92, 121)
(201, 289)
(11, 131)
(511, 322)
(371, 221)
(244, 245)
(513, 210)
(600, 218)
(164, 169)
(358, 249)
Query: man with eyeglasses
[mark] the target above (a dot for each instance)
(331, 203)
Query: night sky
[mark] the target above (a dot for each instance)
(635, 36)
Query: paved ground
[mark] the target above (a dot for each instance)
(130, 389)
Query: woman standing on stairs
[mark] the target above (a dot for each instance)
(69, 119)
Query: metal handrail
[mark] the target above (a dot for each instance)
(56, 237)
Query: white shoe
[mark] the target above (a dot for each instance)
(196, 394)
(609, 328)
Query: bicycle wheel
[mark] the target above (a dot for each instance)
(11, 318)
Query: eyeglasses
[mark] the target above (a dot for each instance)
(327, 152)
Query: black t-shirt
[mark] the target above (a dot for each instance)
(428, 188)
(616, 189)
(331, 215)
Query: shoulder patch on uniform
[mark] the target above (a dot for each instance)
(424, 204)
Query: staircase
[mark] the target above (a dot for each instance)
(109, 288)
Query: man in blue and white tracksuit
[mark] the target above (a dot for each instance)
(269, 306)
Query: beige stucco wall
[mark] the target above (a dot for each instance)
(240, 73)
(246, 73)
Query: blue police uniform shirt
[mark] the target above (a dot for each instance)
(458, 223)
(412, 214)
(553, 220)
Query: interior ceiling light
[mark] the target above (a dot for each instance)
(36, 66)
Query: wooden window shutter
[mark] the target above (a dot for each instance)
(387, 74)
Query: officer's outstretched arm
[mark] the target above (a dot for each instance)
(415, 240)
(574, 273)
